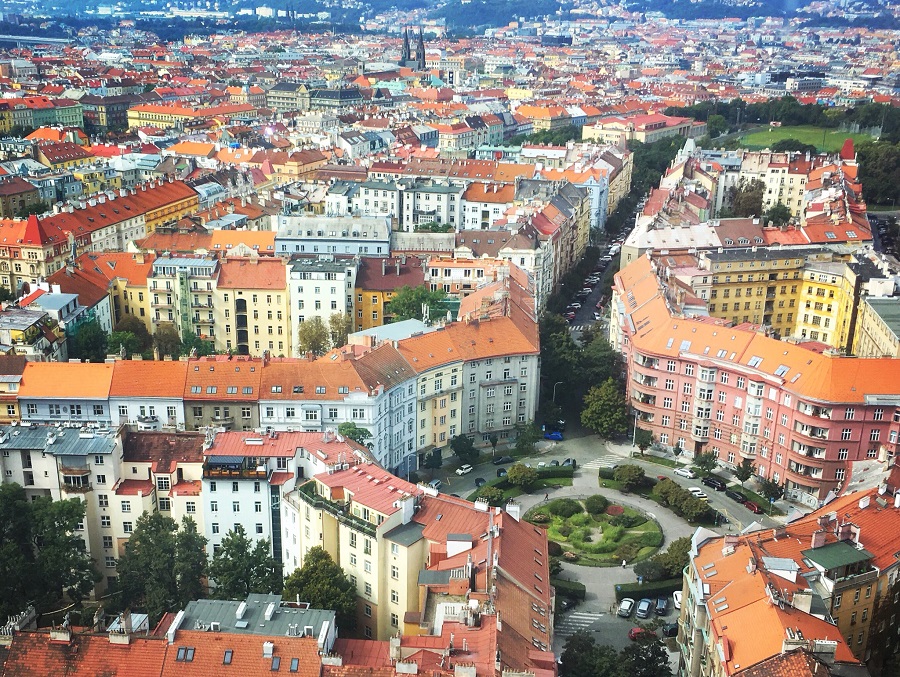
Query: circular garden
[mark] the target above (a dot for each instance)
(595, 532)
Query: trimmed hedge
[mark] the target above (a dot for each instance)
(655, 589)
(572, 589)
(555, 471)
(606, 473)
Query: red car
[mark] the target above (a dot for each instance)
(752, 507)
(635, 633)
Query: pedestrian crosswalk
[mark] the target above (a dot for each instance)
(578, 327)
(606, 461)
(569, 624)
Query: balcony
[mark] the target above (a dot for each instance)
(76, 489)
(200, 320)
(162, 303)
(649, 381)
(818, 412)
(201, 304)
(649, 400)
(811, 431)
(220, 472)
(307, 493)
(855, 580)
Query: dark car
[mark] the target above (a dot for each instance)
(735, 495)
(714, 482)
(670, 630)
(479, 482)
(644, 607)
(501, 472)
(554, 463)
(501, 460)
(662, 606)
(752, 507)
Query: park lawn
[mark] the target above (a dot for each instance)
(537, 487)
(659, 460)
(833, 138)
(761, 501)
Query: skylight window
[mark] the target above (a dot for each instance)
(830, 235)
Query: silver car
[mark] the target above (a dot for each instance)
(626, 606)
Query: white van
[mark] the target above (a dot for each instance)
(435, 484)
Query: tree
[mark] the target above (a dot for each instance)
(643, 439)
(190, 342)
(705, 462)
(520, 475)
(779, 214)
(526, 437)
(241, 566)
(339, 325)
(605, 410)
(771, 490)
(651, 570)
(629, 476)
(146, 570)
(676, 556)
(63, 565)
(312, 336)
(716, 125)
(583, 657)
(493, 439)
(746, 198)
(134, 325)
(356, 433)
(36, 208)
(464, 448)
(89, 343)
(18, 580)
(407, 303)
(492, 495)
(794, 146)
(745, 470)
(322, 583)
(166, 340)
(6, 294)
(646, 657)
(120, 340)
(691, 508)
(434, 460)
(190, 562)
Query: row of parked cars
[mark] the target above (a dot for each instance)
(644, 609)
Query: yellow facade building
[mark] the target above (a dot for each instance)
(878, 328)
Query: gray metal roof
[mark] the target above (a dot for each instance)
(66, 441)
(406, 534)
(434, 577)
(201, 613)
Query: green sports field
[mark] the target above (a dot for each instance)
(833, 139)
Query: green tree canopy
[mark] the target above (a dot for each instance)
(746, 199)
(166, 340)
(630, 476)
(771, 490)
(526, 437)
(605, 410)
(779, 214)
(716, 125)
(241, 566)
(643, 439)
(520, 475)
(135, 326)
(745, 470)
(339, 326)
(434, 460)
(322, 583)
(162, 568)
(89, 342)
(705, 462)
(794, 146)
(119, 340)
(407, 302)
(313, 336)
(191, 342)
(464, 448)
(356, 433)
(492, 495)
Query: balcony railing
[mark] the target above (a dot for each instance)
(340, 511)
(854, 580)
(213, 472)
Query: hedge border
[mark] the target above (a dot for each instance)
(571, 589)
(654, 589)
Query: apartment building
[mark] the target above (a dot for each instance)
(11, 368)
(251, 313)
(646, 128)
(222, 392)
(74, 393)
(802, 415)
(878, 329)
(354, 235)
(31, 249)
(425, 202)
(181, 291)
(830, 574)
(148, 395)
(319, 286)
(288, 96)
(126, 274)
(377, 279)
(62, 462)
(461, 276)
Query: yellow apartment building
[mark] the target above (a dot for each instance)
(878, 328)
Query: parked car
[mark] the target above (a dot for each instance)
(626, 606)
(714, 482)
(479, 482)
(635, 633)
(569, 316)
(554, 463)
(752, 507)
(662, 606)
(553, 435)
(569, 461)
(644, 608)
(670, 630)
(501, 472)
(565, 604)
(587, 291)
(574, 306)
(685, 472)
(697, 492)
(735, 495)
(501, 460)
(676, 599)
(597, 317)
(464, 469)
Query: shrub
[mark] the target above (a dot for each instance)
(607, 473)
(657, 589)
(628, 551)
(564, 530)
(628, 521)
(554, 549)
(555, 566)
(651, 539)
(581, 520)
(630, 476)
(613, 533)
(651, 570)
(572, 589)
(564, 507)
(615, 510)
(596, 504)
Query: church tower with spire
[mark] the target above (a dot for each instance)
(420, 51)
(404, 50)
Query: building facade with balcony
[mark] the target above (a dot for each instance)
(319, 286)
(801, 415)
(148, 394)
(222, 392)
(181, 292)
(67, 393)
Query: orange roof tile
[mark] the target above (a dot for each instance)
(145, 378)
(66, 380)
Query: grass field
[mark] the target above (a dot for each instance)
(833, 139)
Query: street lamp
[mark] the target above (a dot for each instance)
(554, 390)
(634, 435)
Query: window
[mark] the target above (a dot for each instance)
(235, 506)
(165, 504)
(368, 610)
(126, 506)
(395, 572)
(162, 483)
(190, 507)
(105, 521)
(127, 527)
(395, 598)
(395, 620)
(839, 474)
(214, 506)
(103, 500)
(846, 433)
